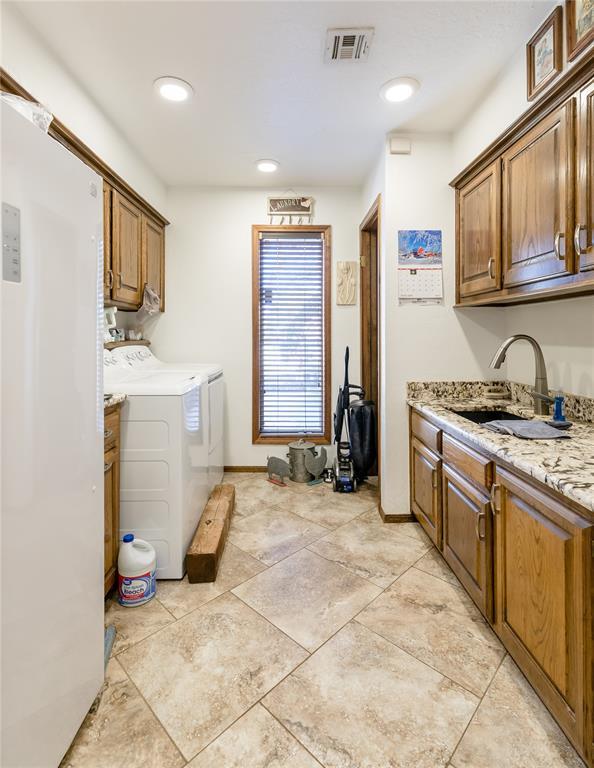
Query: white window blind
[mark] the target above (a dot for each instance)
(291, 333)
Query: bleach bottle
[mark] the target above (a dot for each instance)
(137, 563)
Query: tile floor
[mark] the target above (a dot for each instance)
(329, 639)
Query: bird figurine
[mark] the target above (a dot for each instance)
(277, 469)
(315, 463)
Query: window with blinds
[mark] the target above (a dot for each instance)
(291, 333)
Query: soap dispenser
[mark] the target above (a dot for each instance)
(559, 421)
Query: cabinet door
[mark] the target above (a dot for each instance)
(479, 233)
(467, 538)
(107, 270)
(538, 183)
(153, 257)
(543, 596)
(425, 491)
(584, 226)
(111, 485)
(126, 251)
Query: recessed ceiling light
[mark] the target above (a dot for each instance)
(173, 89)
(399, 89)
(267, 166)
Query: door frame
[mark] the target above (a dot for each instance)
(369, 253)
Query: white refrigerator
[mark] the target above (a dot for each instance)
(52, 444)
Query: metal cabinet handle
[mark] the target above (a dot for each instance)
(576, 239)
(110, 278)
(557, 245)
(494, 490)
(477, 526)
(490, 268)
(107, 433)
(107, 467)
(119, 276)
(434, 478)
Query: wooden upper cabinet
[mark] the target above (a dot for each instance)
(107, 270)
(584, 224)
(479, 233)
(543, 596)
(153, 257)
(538, 183)
(126, 251)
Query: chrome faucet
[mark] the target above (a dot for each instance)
(541, 387)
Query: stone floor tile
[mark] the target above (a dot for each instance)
(207, 669)
(361, 702)
(120, 731)
(181, 597)
(512, 728)
(379, 552)
(272, 534)
(256, 740)
(307, 597)
(133, 624)
(439, 624)
(434, 564)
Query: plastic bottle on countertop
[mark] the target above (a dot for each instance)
(137, 563)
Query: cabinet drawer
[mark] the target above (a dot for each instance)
(468, 462)
(425, 431)
(111, 433)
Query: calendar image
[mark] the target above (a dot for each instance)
(420, 265)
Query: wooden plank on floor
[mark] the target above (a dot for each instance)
(206, 548)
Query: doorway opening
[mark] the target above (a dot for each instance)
(369, 239)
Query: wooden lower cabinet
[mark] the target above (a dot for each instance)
(111, 488)
(425, 469)
(543, 599)
(468, 537)
(525, 555)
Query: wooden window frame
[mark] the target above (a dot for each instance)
(326, 231)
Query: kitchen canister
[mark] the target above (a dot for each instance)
(296, 456)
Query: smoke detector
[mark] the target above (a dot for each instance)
(348, 44)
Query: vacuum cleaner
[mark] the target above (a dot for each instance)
(356, 416)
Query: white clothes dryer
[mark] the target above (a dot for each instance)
(139, 357)
(164, 482)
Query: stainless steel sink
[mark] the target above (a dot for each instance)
(481, 417)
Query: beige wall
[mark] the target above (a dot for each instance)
(209, 294)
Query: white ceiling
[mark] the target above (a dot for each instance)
(262, 87)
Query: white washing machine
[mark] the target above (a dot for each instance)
(140, 358)
(164, 481)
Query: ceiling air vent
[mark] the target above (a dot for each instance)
(348, 44)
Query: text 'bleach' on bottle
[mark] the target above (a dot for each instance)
(137, 563)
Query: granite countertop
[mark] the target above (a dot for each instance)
(565, 465)
(113, 399)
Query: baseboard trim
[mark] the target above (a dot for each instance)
(396, 518)
(245, 469)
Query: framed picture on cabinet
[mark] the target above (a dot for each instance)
(579, 21)
(544, 53)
